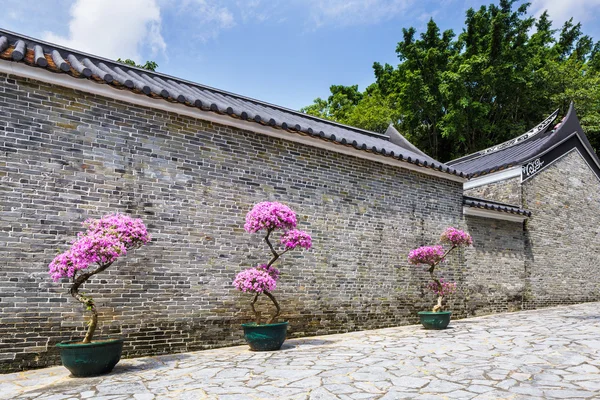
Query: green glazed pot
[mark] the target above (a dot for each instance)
(90, 359)
(267, 337)
(435, 320)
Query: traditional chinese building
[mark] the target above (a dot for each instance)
(554, 173)
(82, 136)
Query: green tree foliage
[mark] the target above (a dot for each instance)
(149, 65)
(370, 110)
(453, 95)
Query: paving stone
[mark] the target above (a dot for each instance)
(392, 395)
(479, 388)
(584, 369)
(439, 386)
(506, 384)
(322, 394)
(568, 394)
(364, 396)
(527, 390)
(459, 394)
(482, 358)
(143, 396)
(410, 382)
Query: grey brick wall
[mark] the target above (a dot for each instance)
(563, 234)
(66, 156)
(556, 263)
(495, 279)
(506, 191)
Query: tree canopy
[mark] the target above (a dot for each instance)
(452, 95)
(149, 65)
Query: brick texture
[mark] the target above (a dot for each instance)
(66, 156)
(495, 279)
(507, 191)
(563, 233)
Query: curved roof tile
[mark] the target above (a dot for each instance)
(528, 146)
(495, 206)
(58, 59)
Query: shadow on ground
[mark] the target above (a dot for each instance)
(145, 364)
(294, 343)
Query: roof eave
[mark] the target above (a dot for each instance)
(66, 50)
(315, 139)
(492, 214)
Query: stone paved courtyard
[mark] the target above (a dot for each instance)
(544, 354)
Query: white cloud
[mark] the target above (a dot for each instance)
(355, 12)
(113, 28)
(257, 10)
(561, 10)
(211, 16)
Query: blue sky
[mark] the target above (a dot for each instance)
(286, 52)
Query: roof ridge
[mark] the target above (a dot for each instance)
(490, 201)
(495, 206)
(540, 128)
(196, 84)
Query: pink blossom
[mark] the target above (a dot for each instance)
(429, 255)
(447, 288)
(294, 238)
(130, 231)
(254, 280)
(274, 272)
(456, 237)
(268, 216)
(105, 240)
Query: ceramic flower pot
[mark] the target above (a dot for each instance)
(90, 359)
(435, 320)
(267, 337)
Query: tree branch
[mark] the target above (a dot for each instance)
(88, 302)
(270, 296)
(439, 306)
(256, 313)
(275, 254)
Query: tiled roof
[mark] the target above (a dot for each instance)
(35, 53)
(494, 206)
(525, 147)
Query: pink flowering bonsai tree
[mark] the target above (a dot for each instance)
(105, 240)
(432, 256)
(269, 217)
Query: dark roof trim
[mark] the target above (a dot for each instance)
(397, 138)
(540, 128)
(494, 206)
(492, 170)
(571, 125)
(64, 61)
(524, 152)
(542, 161)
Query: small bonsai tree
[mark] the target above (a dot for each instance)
(434, 255)
(105, 240)
(262, 279)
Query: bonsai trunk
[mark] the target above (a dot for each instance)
(439, 306)
(270, 296)
(87, 301)
(257, 314)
